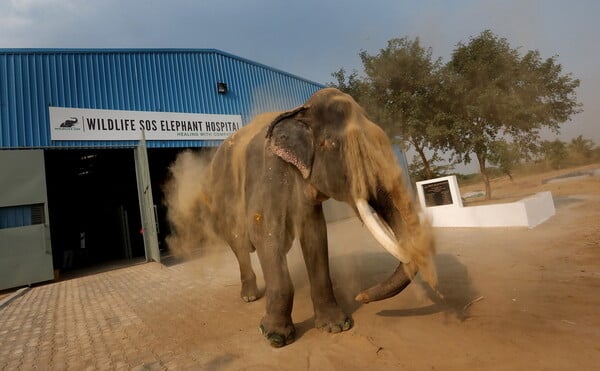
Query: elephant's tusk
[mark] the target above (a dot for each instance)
(381, 230)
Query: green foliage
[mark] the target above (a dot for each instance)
(581, 149)
(506, 156)
(402, 92)
(557, 154)
(404, 83)
(487, 96)
(418, 171)
(349, 83)
(499, 94)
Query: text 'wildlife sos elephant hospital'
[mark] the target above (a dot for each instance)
(87, 124)
(87, 137)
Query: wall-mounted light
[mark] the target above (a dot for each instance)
(221, 88)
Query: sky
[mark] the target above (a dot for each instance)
(313, 38)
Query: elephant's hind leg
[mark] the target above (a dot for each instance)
(242, 253)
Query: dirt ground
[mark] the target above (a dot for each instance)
(514, 298)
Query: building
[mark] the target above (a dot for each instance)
(86, 136)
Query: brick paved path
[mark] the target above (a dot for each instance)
(140, 317)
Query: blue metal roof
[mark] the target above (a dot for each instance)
(164, 80)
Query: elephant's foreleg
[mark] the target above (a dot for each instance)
(313, 239)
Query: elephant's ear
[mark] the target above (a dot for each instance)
(292, 140)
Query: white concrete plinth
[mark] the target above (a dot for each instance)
(528, 212)
(442, 205)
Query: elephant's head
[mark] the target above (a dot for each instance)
(343, 155)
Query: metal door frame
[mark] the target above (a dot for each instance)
(144, 186)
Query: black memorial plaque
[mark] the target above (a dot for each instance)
(437, 194)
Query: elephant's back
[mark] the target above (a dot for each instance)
(234, 149)
(256, 127)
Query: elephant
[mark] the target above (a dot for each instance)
(265, 186)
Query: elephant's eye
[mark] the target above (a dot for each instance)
(328, 144)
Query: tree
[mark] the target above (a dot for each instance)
(505, 155)
(402, 92)
(499, 94)
(554, 152)
(418, 171)
(349, 83)
(581, 149)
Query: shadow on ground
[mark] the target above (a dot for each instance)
(454, 295)
(562, 201)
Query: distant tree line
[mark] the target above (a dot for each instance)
(557, 154)
(489, 102)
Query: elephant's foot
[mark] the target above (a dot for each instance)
(333, 319)
(249, 291)
(278, 332)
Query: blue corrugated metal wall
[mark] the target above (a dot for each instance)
(165, 80)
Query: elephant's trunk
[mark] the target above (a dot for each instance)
(391, 286)
(408, 239)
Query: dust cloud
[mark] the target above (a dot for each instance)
(188, 212)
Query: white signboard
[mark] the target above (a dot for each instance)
(94, 124)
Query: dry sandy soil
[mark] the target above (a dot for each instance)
(514, 298)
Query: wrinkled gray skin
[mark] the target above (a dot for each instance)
(266, 187)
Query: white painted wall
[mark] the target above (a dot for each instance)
(528, 212)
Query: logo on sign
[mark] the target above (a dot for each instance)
(69, 123)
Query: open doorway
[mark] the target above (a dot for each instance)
(93, 208)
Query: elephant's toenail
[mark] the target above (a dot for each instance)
(291, 337)
(348, 323)
(276, 340)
